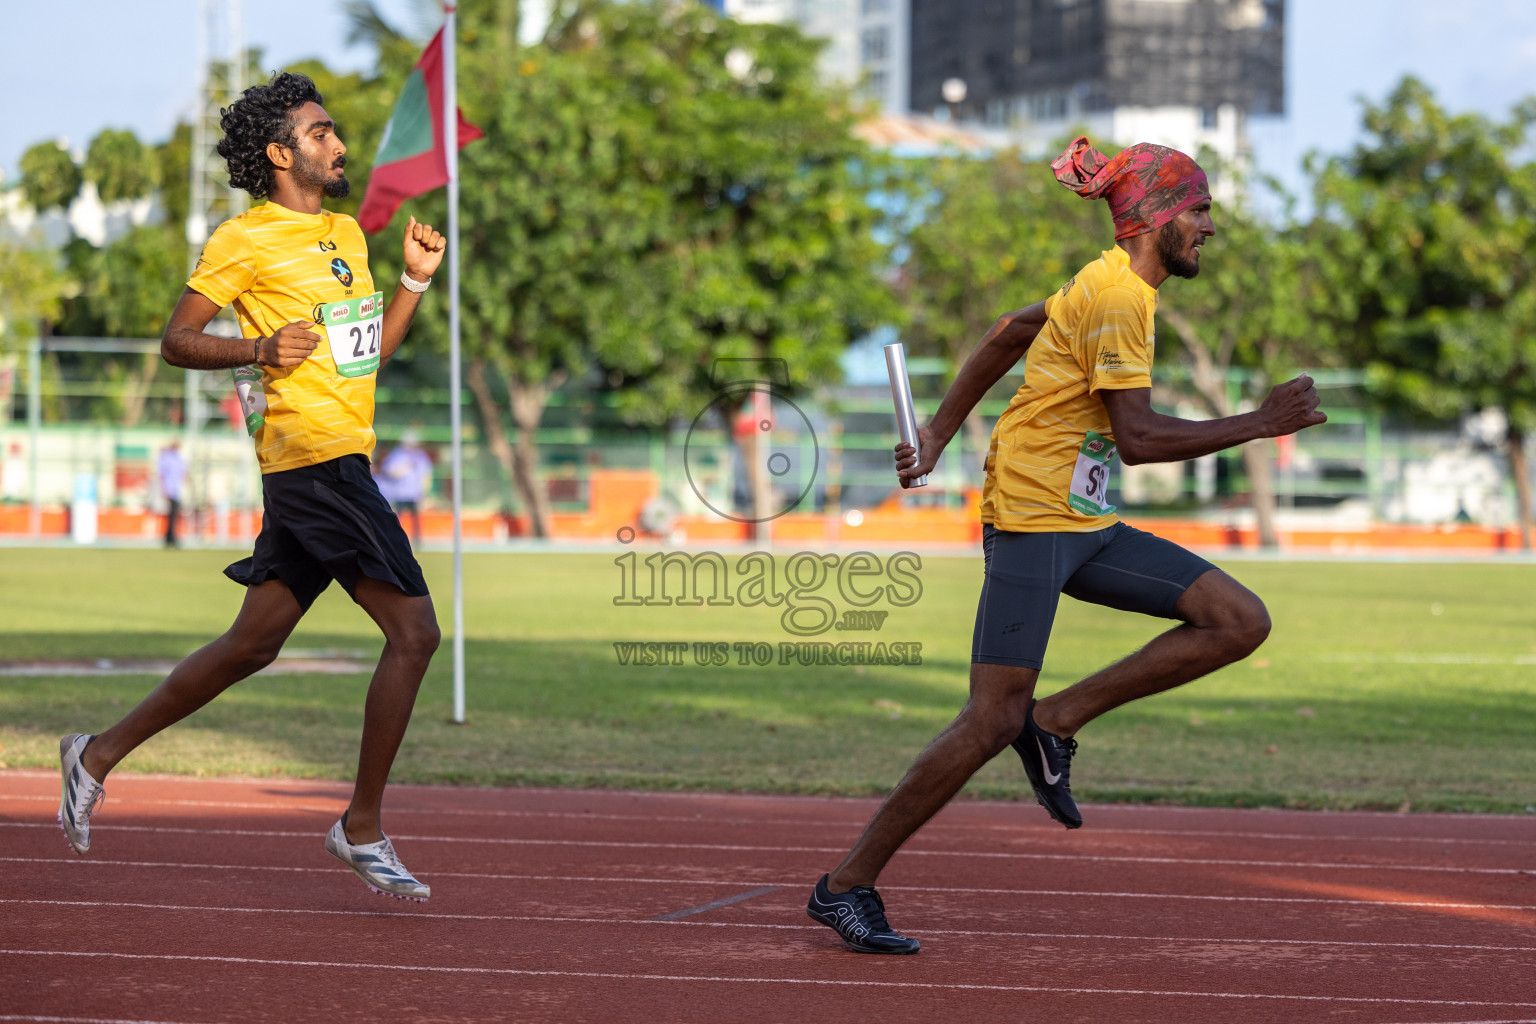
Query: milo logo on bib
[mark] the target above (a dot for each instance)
(355, 329)
(1089, 491)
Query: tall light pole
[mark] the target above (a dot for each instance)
(210, 199)
(221, 74)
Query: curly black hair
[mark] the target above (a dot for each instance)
(261, 116)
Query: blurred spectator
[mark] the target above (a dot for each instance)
(404, 478)
(173, 475)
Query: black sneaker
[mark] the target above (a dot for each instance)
(858, 915)
(1048, 763)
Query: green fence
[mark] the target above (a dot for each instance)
(69, 398)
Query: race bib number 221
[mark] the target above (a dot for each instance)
(355, 329)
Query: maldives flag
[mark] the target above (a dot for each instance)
(412, 157)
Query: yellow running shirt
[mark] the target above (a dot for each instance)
(276, 266)
(1052, 450)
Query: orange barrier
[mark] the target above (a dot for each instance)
(616, 497)
(1376, 537)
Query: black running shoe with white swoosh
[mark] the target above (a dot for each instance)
(858, 916)
(1048, 763)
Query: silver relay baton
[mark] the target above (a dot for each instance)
(901, 394)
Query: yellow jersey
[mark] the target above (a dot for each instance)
(1051, 452)
(275, 267)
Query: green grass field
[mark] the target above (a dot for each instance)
(1383, 686)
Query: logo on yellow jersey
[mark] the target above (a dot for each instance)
(342, 271)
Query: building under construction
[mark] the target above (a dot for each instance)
(1189, 67)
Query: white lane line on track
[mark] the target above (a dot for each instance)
(769, 926)
(81, 1020)
(234, 805)
(714, 979)
(566, 795)
(947, 890)
(748, 848)
(1020, 829)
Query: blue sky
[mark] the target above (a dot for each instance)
(74, 67)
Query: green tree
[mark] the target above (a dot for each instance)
(360, 105)
(130, 285)
(997, 233)
(990, 235)
(119, 165)
(1425, 231)
(173, 170)
(1250, 308)
(49, 177)
(396, 52)
(658, 187)
(31, 289)
(127, 289)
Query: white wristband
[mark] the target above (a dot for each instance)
(413, 286)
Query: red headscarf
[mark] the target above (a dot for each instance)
(1146, 185)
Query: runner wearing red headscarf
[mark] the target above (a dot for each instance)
(1048, 526)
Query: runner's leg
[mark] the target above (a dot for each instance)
(1022, 581)
(991, 719)
(267, 616)
(1224, 622)
(410, 637)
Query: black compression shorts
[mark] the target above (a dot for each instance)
(1026, 574)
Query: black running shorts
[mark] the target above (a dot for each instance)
(1026, 574)
(328, 522)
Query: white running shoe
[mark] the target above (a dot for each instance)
(82, 795)
(377, 864)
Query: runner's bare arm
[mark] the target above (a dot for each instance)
(424, 248)
(1143, 434)
(998, 351)
(185, 345)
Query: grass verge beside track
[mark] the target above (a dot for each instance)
(1382, 686)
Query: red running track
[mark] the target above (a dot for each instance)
(213, 900)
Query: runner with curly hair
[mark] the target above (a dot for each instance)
(297, 277)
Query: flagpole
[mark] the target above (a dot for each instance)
(455, 374)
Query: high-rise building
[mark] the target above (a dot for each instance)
(867, 40)
(1183, 73)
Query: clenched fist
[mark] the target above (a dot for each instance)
(289, 345)
(1291, 406)
(424, 248)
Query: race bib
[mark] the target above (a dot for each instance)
(355, 329)
(253, 401)
(1089, 493)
